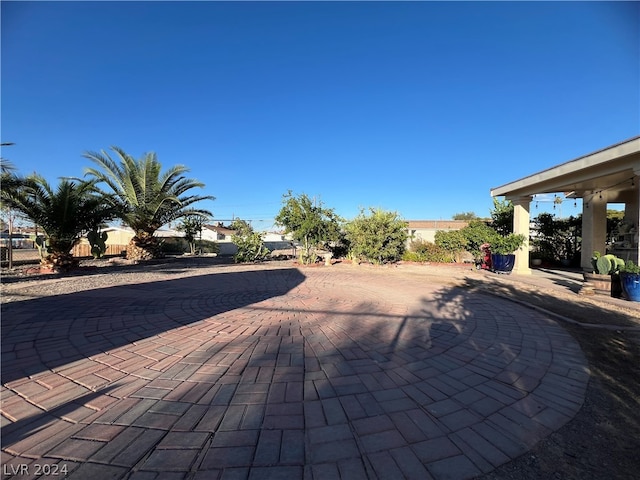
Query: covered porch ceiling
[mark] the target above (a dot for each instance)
(610, 170)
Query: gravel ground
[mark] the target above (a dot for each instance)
(602, 441)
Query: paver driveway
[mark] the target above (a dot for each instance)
(276, 372)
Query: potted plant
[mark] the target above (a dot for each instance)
(605, 276)
(630, 280)
(502, 252)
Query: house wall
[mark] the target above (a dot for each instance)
(118, 237)
(425, 230)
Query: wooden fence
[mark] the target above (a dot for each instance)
(84, 250)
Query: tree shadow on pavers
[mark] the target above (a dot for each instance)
(459, 363)
(51, 332)
(602, 439)
(380, 395)
(47, 423)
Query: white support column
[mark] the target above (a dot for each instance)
(594, 227)
(521, 221)
(632, 214)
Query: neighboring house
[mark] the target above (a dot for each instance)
(222, 236)
(117, 235)
(18, 240)
(425, 230)
(217, 233)
(278, 241)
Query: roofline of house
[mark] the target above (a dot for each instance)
(622, 149)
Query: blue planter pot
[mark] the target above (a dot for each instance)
(631, 285)
(502, 263)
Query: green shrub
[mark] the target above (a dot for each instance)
(250, 243)
(173, 246)
(631, 268)
(422, 251)
(507, 245)
(208, 246)
(379, 237)
(453, 242)
(478, 233)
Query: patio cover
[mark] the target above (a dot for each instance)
(610, 175)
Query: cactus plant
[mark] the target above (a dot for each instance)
(616, 264)
(603, 265)
(97, 240)
(606, 264)
(619, 264)
(41, 244)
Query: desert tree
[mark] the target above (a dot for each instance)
(309, 223)
(378, 237)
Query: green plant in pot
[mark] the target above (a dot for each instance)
(630, 280)
(502, 251)
(605, 277)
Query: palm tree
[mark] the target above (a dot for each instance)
(146, 198)
(64, 214)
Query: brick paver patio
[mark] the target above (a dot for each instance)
(274, 372)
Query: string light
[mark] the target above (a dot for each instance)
(616, 185)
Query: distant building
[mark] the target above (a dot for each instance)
(425, 230)
(217, 233)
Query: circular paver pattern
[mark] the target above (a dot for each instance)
(277, 372)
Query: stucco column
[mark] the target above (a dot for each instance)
(632, 215)
(521, 221)
(594, 227)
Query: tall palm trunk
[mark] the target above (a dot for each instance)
(143, 247)
(60, 261)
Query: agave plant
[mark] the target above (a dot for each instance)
(64, 214)
(146, 197)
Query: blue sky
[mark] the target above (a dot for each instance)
(417, 107)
